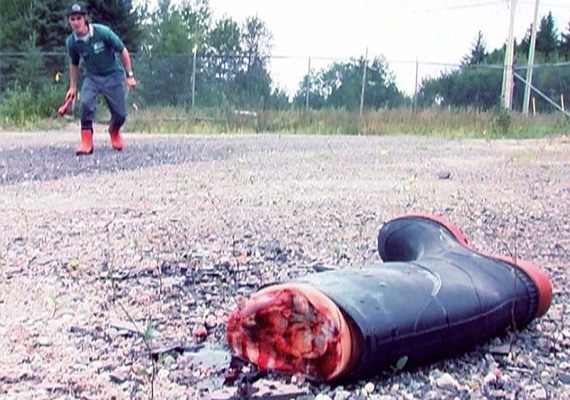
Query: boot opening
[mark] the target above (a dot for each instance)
(292, 328)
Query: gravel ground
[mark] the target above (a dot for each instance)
(118, 270)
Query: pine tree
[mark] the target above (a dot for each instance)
(50, 24)
(15, 22)
(564, 45)
(547, 38)
(478, 52)
(30, 69)
(122, 17)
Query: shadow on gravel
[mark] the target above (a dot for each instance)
(20, 164)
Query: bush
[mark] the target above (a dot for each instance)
(21, 106)
(502, 120)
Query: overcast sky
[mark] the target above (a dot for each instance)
(429, 31)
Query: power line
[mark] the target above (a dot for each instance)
(459, 7)
(485, 4)
(549, 4)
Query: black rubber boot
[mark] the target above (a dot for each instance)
(432, 298)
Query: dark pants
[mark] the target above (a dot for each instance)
(113, 90)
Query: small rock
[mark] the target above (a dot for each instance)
(444, 174)
(50, 387)
(200, 332)
(202, 253)
(502, 350)
(498, 394)
(298, 379)
(446, 381)
(139, 370)
(539, 394)
(564, 365)
(267, 390)
(528, 362)
(120, 375)
(368, 388)
(564, 378)
(79, 330)
(163, 373)
(491, 377)
(124, 328)
(43, 341)
(223, 394)
(383, 397)
(341, 395)
(211, 321)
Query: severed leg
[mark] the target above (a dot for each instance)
(295, 328)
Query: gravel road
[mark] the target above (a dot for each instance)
(118, 270)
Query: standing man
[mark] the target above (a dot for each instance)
(98, 46)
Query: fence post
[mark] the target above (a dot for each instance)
(415, 102)
(194, 51)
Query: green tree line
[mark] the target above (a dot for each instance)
(185, 57)
(478, 80)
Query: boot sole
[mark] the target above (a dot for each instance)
(83, 153)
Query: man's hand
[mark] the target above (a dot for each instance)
(70, 94)
(63, 109)
(131, 83)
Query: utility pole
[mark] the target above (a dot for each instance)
(507, 91)
(531, 49)
(308, 88)
(363, 81)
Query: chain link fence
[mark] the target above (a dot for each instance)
(195, 81)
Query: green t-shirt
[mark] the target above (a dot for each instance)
(98, 49)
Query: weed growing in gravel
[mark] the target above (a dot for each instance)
(401, 363)
(58, 303)
(148, 333)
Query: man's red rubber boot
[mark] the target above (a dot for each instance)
(116, 139)
(86, 144)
